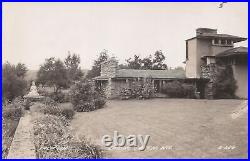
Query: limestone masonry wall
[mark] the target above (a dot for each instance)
(109, 68)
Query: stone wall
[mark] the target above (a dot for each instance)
(109, 68)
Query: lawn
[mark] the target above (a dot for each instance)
(192, 128)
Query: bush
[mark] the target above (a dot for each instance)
(65, 111)
(99, 100)
(177, 89)
(84, 98)
(60, 97)
(27, 103)
(139, 89)
(189, 91)
(49, 101)
(225, 84)
(53, 139)
(12, 111)
(173, 89)
(125, 93)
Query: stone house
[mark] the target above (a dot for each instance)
(113, 79)
(206, 50)
(203, 52)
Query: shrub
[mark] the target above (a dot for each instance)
(49, 101)
(12, 111)
(125, 93)
(99, 100)
(173, 89)
(177, 89)
(147, 89)
(225, 84)
(84, 98)
(139, 89)
(65, 111)
(27, 103)
(53, 139)
(189, 91)
(60, 97)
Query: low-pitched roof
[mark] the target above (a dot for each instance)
(133, 73)
(234, 52)
(155, 74)
(214, 35)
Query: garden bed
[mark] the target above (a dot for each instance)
(53, 138)
(8, 130)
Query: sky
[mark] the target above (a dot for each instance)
(33, 32)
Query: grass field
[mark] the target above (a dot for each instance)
(193, 128)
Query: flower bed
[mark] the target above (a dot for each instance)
(53, 139)
(11, 114)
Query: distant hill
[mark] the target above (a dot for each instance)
(32, 74)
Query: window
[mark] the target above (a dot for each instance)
(216, 41)
(210, 60)
(223, 42)
(229, 42)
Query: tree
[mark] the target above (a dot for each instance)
(53, 73)
(135, 63)
(96, 68)
(21, 70)
(13, 80)
(147, 63)
(72, 63)
(158, 61)
(225, 85)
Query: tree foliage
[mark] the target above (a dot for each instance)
(147, 63)
(135, 63)
(96, 68)
(13, 80)
(225, 84)
(53, 73)
(72, 63)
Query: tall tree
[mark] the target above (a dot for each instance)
(96, 68)
(72, 63)
(147, 63)
(53, 73)
(135, 63)
(158, 61)
(21, 70)
(13, 82)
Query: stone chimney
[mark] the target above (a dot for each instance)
(200, 31)
(109, 67)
